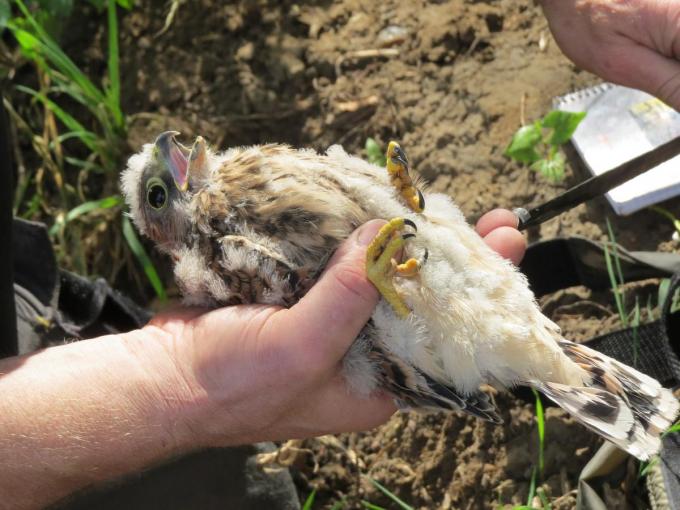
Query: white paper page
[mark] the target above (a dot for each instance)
(623, 123)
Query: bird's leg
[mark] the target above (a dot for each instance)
(381, 266)
(398, 167)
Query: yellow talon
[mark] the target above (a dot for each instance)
(408, 268)
(397, 167)
(381, 266)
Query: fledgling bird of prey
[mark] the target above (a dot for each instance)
(258, 224)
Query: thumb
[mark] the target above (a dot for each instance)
(643, 68)
(326, 321)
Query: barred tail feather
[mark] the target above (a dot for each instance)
(625, 406)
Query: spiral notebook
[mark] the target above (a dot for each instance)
(623, 123)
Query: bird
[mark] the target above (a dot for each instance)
(258, 224)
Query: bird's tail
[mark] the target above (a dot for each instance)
(628, 408)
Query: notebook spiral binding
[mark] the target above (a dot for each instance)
(581, 94)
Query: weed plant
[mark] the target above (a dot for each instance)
(79, 137)
(538, 144)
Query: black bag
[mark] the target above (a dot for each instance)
(653, 348)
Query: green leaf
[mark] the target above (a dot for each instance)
(532, 488)
(57, 8)
(84, 208)
(68, 120)
(675, 304)
(540, 422)
(544, 499)
(33, 207)
(309, 501)
(51, 51)
(339, 505)
(646, 467)
(522, 147)
(615, 285)
(27, 42)
(617, 259)
(74, 134)
(88, 166)
(126, 4)
(113, 92)
(143, 258)
(552, 169)
(5, 13)
(563, 125)
(664, 287)
(393, 497)
(374, 154)
(371, 506)
(672, 429)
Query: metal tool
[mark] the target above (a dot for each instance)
(597, 185)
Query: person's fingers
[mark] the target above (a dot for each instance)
(494, 219)
(507, 242)
(325, 322)
(344, 411)
(640, 67)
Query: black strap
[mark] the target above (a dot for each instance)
(565, 262)
(54, 305)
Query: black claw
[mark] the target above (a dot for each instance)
(421, 200)
(407, 236)
(410, 224)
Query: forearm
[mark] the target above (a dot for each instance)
(77, 414)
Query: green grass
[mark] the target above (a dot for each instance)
(540, 424)
(537, 471)
(143, 258)
(664, 288)
(80, 138)
(339, 505)
(309, 502)
(616, 279)
(612, 260)
(668, 215)
(400, 503)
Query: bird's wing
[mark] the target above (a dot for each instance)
(414, 389)
(255, 273)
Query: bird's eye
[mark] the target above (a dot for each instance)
(156, 193)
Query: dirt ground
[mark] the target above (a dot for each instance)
(451, 80)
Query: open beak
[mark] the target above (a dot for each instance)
(175, 156)
(198, 158)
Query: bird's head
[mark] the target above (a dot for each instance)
(158, 183)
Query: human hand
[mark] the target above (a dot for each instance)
(631, 42)
(499, 230)
(251, 373)
(193, 378)
(257, 372)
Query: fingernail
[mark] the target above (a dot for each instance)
(366, 233)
